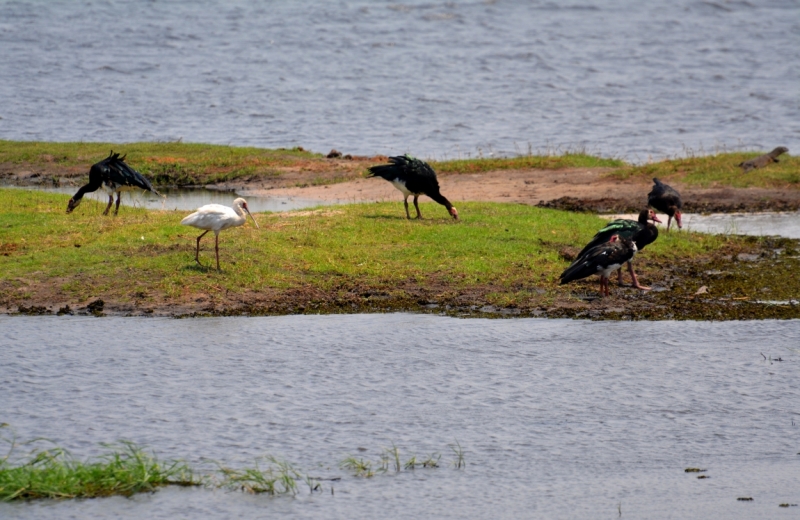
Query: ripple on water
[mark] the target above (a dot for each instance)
(567, 417)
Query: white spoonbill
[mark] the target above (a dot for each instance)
(216, 217)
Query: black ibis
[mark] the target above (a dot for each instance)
(113, 175)
(412, 177)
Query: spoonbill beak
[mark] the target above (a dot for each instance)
(251, 215)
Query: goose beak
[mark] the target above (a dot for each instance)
(655, 218)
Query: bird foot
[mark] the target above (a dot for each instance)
(641, 287)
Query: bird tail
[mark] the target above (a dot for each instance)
(385, 171)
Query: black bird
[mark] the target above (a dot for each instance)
(113, 175)
(665, 199)
(603, 260)
(412, 177)
(641, 232)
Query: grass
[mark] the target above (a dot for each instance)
(279, 478)
(125, 469)
(142, 257)
(163, 163)
(186, 164)
(390, 460)
(719, 170)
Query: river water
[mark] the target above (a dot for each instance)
(557, 418)
(620, 78)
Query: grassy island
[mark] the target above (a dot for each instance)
(501, 259)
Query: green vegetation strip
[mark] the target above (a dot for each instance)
(200, 164)
(126, 469)
(718, 170)
(513, 253)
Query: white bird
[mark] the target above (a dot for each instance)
(216, 217)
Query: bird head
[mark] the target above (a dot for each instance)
(652, 216)
(677, 217)
(72, 204)
(454, 212)
(243, 204)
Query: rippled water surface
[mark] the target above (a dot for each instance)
(437, 79)
(558, 419)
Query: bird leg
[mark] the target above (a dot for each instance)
(216, 248)
(110, 201)
(619, 277)
(405, 201)
(119, 196)
(419, 215)
(197, 253)
(633, 276)
(669, 221)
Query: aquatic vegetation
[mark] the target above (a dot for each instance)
(390, 459)
(459, 463)
(125, 469)
(280, 478)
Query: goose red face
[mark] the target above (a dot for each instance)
(678, 219)
(653, 217)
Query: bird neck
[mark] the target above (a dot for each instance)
(438, 197)
(87, 188)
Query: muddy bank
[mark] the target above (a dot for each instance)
(757, 282)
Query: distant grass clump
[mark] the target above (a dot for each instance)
(522, 162)
(719, 170)
(53, 473)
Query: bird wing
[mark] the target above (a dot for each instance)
(118, 172)
(625, 228)
(212, 216)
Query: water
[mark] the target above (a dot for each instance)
(438, 79)
(784, 224)
(190, 199)
(558, 418)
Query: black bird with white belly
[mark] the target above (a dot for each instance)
(603, 260)
(642, 232)
(113, 175)
(412, 177)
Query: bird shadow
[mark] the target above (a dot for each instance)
(200, 268)
(388, 217)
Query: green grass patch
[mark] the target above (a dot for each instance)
(125, 469)
(523, 162)
(142, 256)
(163, 163)
(719, 170)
